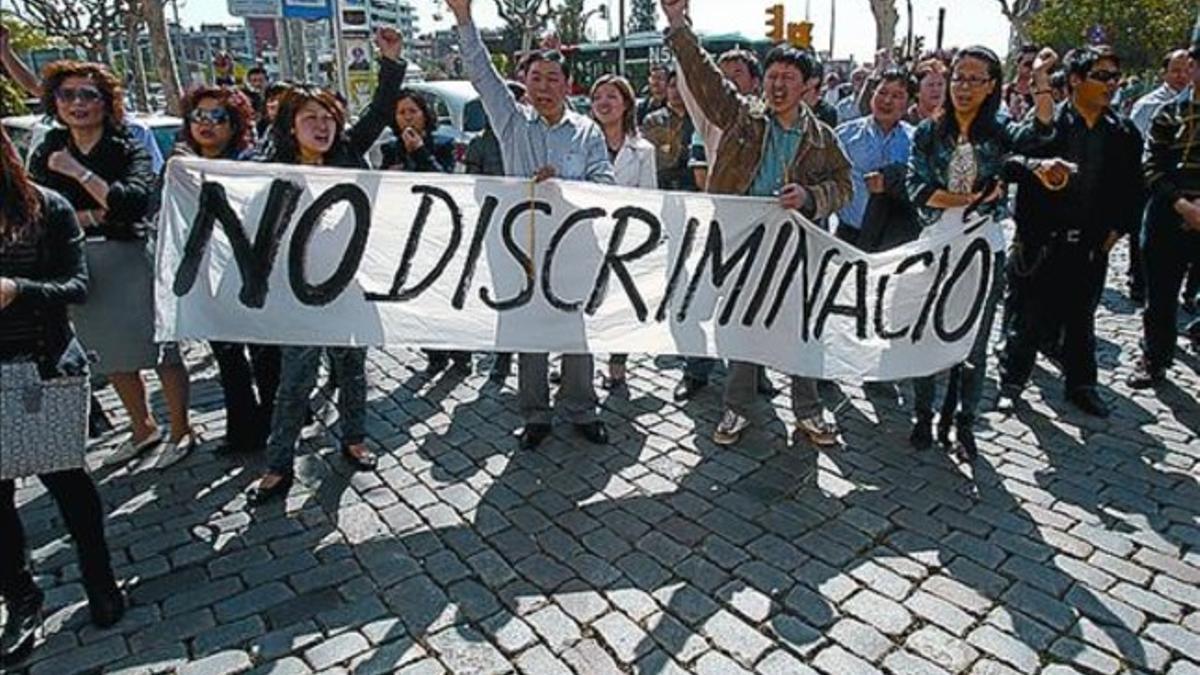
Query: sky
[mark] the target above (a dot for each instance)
(967, 21)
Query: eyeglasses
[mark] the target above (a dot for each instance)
(971, 82)
(82, 94)
(210, 116)
(1104, 76)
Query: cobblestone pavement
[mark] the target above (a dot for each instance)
(1072, 545)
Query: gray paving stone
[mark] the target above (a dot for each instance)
(681, 642)
(909, 664)
(624, 638)
(885, 614)
(779, 662)
(1176, 638)
(1005, 647)
(82, 659)
(837, 661)
(861, 639)
(228, 635)
(287, 666)
(219, 664)
(732, 635)
(942, 649)
(387, 658)
(716, 663)
(1085, 656)
(465, 650)
(556, 628)
(539, 661)
(587, 657)
(337, 649)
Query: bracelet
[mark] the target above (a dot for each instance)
(87, 176)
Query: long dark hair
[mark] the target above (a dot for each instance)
(20, 202)
(283, 141)
(241, 116)
(985, 125)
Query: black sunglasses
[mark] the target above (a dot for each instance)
(212, 116)
(1104, 76)
(72, 94)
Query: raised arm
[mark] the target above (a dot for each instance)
(17, 70)
(718, 100)
(382, 108)
(498, 101)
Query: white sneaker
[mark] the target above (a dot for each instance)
(730, 428)
(172, 453)
(127, 450)
(818, 430)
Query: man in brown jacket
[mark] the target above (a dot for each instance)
(795, 158)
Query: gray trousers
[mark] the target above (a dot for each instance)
(741, 389)
(576, 394)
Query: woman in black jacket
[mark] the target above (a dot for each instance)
(219, 124)
(416, 149)
(311, 129)
(107, 177)
(42, 269)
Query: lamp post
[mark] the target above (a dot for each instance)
(621, 39)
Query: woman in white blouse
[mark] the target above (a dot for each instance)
(614, 109)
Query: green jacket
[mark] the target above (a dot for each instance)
(819, 165)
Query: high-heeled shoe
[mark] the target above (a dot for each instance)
(259, 495)
(365, 461)
(106, 606)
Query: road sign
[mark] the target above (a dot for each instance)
(306, 9)
(255, 8)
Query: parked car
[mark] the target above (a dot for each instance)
(27, 131)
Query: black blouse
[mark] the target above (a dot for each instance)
(120, 160)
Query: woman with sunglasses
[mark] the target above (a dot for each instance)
(957, 161)
(615, 109)
(417, 149)
(42, 270)
(107, 177)
(311, 129)
(220, 125)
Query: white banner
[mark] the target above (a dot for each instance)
(317, 256)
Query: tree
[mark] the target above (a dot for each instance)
(569, 20)
(886, 18)
(1140, 31)
(1019, 13)
(164, 56)
(643, 16)
(86, 24)
(523, 19)
(132, 21)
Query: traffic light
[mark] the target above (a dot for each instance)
(775, 23)
(800, 34)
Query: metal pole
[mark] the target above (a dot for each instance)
(283, 49)
(621, 39)
(338, 54)
(832, 24)
(941, 26)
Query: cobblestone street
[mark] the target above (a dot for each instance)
(1071, 545)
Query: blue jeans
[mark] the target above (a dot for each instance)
(971, 373)
(298, 376)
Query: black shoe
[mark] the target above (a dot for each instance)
(687, 388)
(364, 462)
(106, 606)
(257, 496)
(921, 437)
(437, 363)
(1009, 398)
(1144, 376)
(943, 432)
(966, 448)
(533, 435)
(20, 630)
(594, 432)
(1089, 401)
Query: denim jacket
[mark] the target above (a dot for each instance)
(929, 162)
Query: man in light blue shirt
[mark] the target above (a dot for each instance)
(878, 147)
(541, 140)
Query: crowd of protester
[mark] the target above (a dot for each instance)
(875, 160)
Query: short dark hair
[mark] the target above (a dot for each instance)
(547, 55)
(1028, 49)
(256, 70)
(1080, 61)
(1170, 56)
(797, 58)
(900, 76)
(745, 56)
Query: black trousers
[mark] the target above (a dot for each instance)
(75, 494)
(1053, 304)
(1167, 252)
(249, 378)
